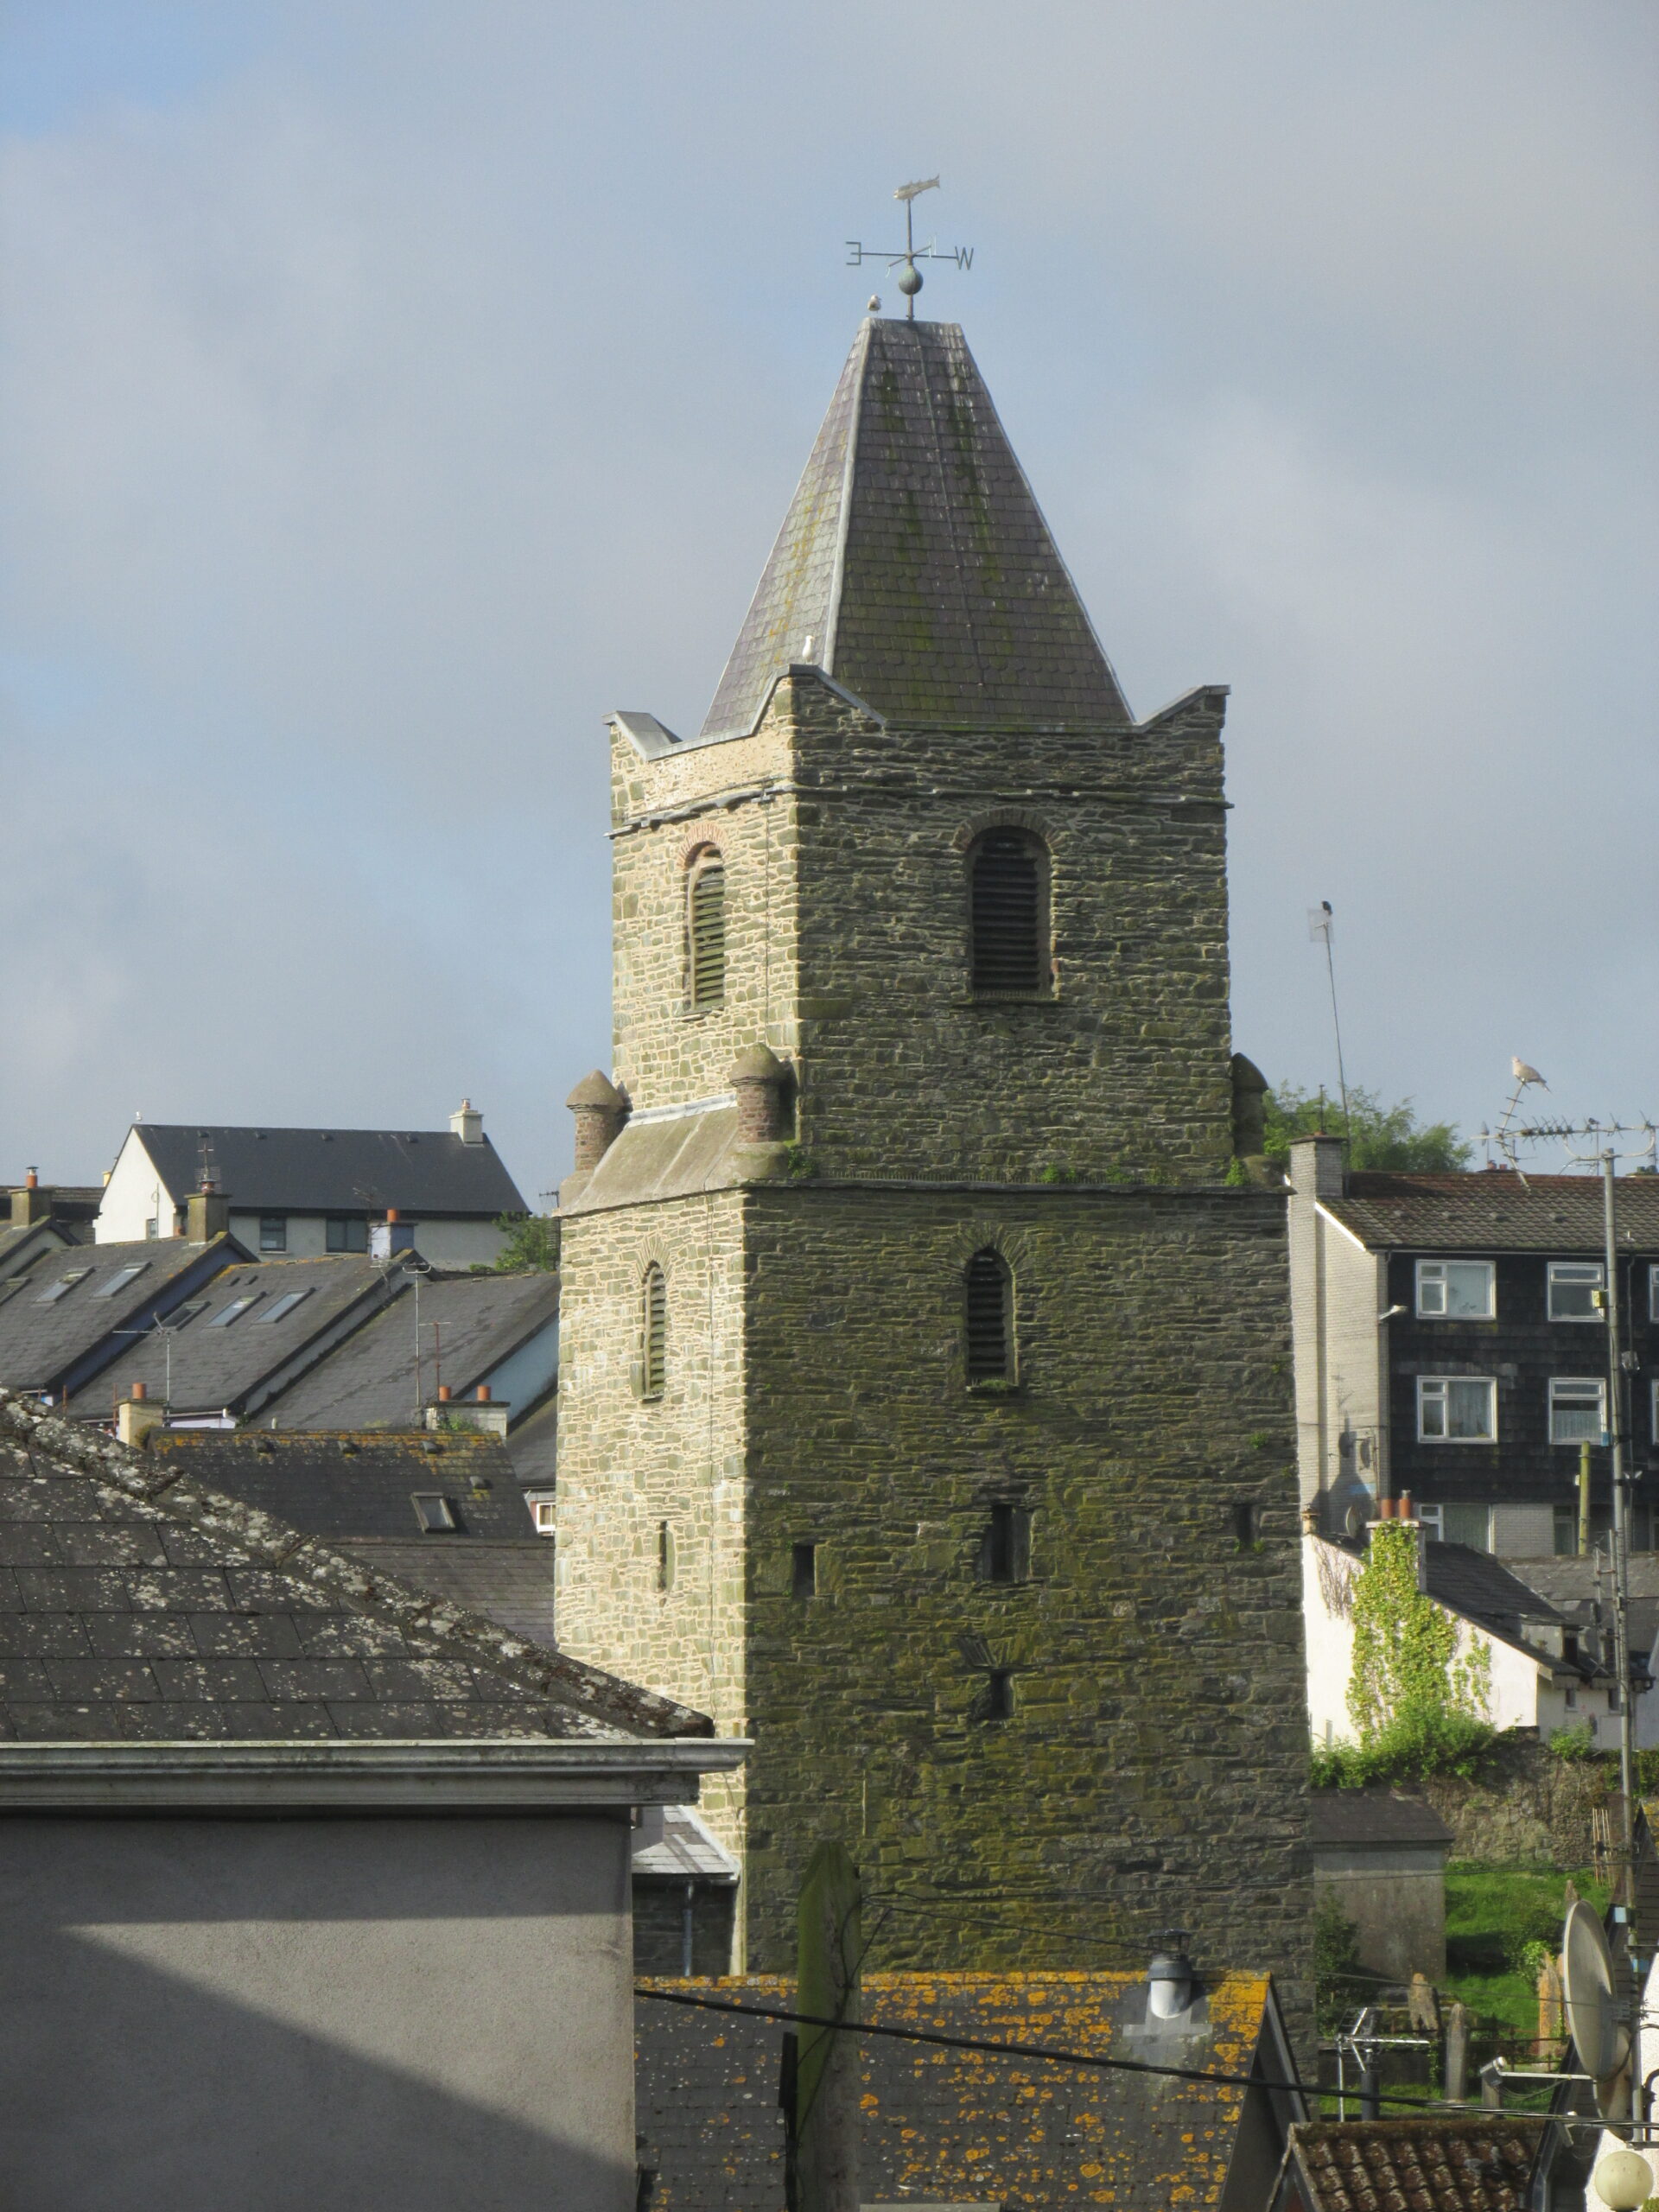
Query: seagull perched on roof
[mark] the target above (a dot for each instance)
(1524, 1075)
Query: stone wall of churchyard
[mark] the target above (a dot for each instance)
(630, 1469)
(847, 939)
(1153, 1770)
(668, 1051)
(1126, 1069)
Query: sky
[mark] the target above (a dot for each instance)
(389, 389)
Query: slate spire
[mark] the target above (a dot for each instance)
(914, 564)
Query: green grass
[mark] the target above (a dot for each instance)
(1490, 1912)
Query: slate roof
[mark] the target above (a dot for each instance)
(41, 1344)
(1369, 1818)
(136, 1606)
(421, 1172)
(1492, 1211)
(356, 1483)
(666, 1158)
(234, 1367)
(22, 1247)
(915, 559)
(508, 1578)
(369, 1381)
(1440, 2163)
(943, 2125)
(672, 1843)
(533, 1447)
(1480, 1587)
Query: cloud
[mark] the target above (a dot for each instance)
(377, 410)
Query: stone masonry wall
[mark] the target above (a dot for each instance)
(628, 1467)
(1154, 1771)
(847, 900)
(667, 1052)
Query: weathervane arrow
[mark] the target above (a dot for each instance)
(905, 258)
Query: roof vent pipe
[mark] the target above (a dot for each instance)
(1170, 1977)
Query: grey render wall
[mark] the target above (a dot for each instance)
(1338, 1289)
(395, 2015)
(1396, 1900)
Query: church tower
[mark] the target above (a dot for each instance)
(926, 1408)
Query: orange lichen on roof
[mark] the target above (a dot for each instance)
(943, 2121)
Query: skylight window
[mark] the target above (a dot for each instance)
(286, 1304)
(121, 1278)
(434, 1512)
(178, 1317)
(233, 1312)
(63, 1286)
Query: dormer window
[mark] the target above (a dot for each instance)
(1007, 889)
(706, 930)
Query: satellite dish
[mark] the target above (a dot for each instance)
(1599, 2037)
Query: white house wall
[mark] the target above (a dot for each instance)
(1336, 1292)
(134, 1196)
(1521, 1693)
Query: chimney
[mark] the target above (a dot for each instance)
(30, 1204)
(392, 1235)
(488, 1416)
(1317, 1169)
(207, 1215)
(136, 1416)
(600, 1110)
(467, 1123)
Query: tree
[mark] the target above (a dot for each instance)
(532, 1246)
(1378, 1135)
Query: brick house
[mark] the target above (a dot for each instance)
(925, 1398)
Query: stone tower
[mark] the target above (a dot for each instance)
(925, 1398)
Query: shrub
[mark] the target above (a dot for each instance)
(1578, 1742)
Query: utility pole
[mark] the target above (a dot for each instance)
(827, 2087)
(1605, 1156)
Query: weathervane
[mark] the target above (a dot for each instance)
(910, 276)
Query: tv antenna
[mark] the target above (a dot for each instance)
(909, 279)
(1320, 921)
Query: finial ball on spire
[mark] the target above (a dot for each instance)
(909, 279)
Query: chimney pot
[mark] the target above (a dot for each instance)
(444, 1394)
(141, 1390)
(483, 1393)
(1403, 1509)
(31, 1182)
(391, 1213)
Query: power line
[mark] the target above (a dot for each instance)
(1023, 2050)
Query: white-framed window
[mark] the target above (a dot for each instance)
(1434, 1522)
(1653, 1291)
(273, 1232)
(1457, 1409)
(1457, 1290)
(1578, 1409)
(544, 1512)
(1572, 1287)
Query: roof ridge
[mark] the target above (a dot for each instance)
(532, 1669)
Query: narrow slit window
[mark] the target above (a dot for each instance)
(708, 933)
(1006, 878)
(1247, 1526)
(998, 1703)
(804, 1571)
(1004, 1550)
(990, 1291)
(665, 1560)
(654, 1332)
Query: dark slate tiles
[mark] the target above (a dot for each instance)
(914, 563)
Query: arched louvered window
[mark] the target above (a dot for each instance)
(706, 929)
(1007, 891)
(653, 1332)
(990, 1319)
